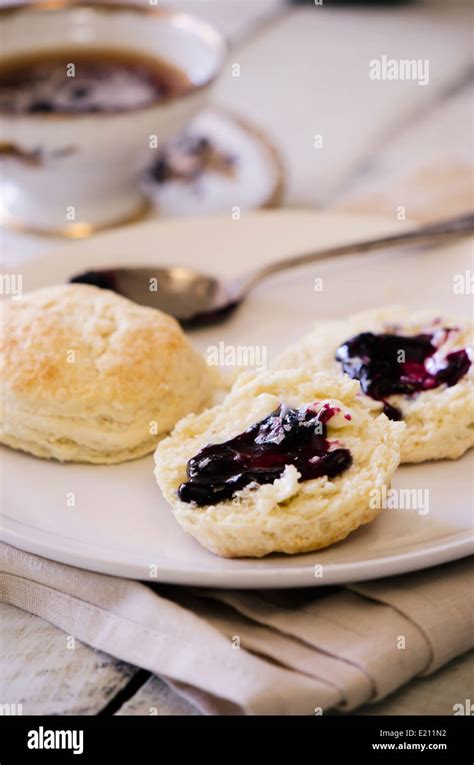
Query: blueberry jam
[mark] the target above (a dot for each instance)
(386, 364)
(259, 455)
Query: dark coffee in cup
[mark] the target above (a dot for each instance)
(87, 80)
(88, 92)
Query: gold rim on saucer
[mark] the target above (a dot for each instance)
(275, 198)
(76, 230)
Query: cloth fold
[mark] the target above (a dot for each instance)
(229, 652)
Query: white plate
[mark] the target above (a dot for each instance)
(121, 525)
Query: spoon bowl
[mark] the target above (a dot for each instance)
(178, 290)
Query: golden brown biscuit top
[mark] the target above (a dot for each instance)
(76, 344)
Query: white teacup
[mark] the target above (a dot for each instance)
(72, 174)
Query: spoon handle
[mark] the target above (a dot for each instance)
(451, 228)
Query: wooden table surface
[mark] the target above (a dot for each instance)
(385, 146)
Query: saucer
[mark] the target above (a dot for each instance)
(221, 163)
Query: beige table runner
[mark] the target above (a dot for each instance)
(272, 652)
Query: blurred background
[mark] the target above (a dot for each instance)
(298, 73)
(304, 74)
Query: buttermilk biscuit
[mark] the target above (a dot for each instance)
(440, 421)
(88, 376)
(288, 515)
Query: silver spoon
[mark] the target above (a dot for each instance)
(198, 299)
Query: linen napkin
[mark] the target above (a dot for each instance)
(268, 652)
